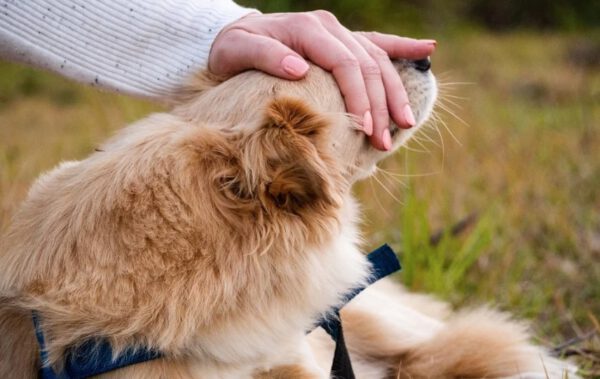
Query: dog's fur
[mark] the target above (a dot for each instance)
(218, 234)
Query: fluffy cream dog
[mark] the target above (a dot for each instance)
(218, 234)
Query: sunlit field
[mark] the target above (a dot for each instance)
(511, 162)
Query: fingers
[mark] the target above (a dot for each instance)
(397, 99)
(356, 72)
(371, 72)
(360, 62)
(383, 87)
(239, 50)
(330, 53)
(401, 47)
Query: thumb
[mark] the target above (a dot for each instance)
(237, 50)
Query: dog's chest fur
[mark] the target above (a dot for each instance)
(267, 338)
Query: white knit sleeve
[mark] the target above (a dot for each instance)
(145, 48)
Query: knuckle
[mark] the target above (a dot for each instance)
(349, 63)
(298, 23)
(228, 37)
(304, 19)
(380, 111)
(374, 51)
(378, 53)
(221, 47)
(325, 16)
(371, 70)
(368, 35)
(260, 46)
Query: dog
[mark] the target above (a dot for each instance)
(218, 234)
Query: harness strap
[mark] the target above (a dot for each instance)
(383, 263)
(95, 356)
(341, 367)
(45, 371)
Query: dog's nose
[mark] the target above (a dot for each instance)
(422, 65)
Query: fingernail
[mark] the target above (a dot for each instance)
(368, 123)
(294, 66)
(409, 116)
(429, 41)
(387, 139)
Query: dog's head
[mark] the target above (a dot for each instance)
(241, 103)
(289, 149)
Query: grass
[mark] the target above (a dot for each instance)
(526, 159)
(527, 162)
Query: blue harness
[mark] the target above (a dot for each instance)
(95, 357)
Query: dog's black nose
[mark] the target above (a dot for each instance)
(422, 65)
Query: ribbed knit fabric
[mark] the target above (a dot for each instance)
(145, 48)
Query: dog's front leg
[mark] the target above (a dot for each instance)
(298, 363)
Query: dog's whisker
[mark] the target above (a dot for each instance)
(424, 135)
(390, 173)
(448, 93)
(435, 121)
(449, 102)
(408, 147)
(387, 176)
(377, 200)
(384, 187)
(416, 139)
(442, 84)
(443, 74)
(439, 133)
(374, 177)
(452, 113)
(445, 125)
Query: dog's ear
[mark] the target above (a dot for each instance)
(298, 173)
(296, 117)
(296, 185)
(285, 160)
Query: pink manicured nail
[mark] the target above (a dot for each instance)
(368, 123)
(409, 116)
(387, 139)
(429, 41)
(294, 66)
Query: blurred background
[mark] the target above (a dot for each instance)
(497, 201)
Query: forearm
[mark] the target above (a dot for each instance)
(145, 48)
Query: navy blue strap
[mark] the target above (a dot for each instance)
(95, 357)
(383, 262)
(45, 372)
(341, 366)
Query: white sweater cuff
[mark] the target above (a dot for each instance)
(145, 48)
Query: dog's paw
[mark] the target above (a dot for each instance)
(288, 372)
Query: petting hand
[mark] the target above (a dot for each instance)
(360, 61)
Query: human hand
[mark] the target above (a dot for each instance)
(277, 43)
